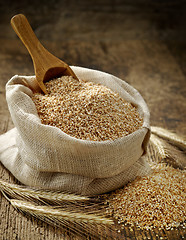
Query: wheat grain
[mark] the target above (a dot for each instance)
(86, 110)
(156, 200)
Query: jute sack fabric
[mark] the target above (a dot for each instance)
(45, 157)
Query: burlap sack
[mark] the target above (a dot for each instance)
(45, 157)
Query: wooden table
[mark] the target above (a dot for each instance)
(139, 43)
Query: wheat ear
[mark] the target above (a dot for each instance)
(167, 152)
(48, 197)
(17, 191)
(77, 223)
(159, 150)
(173, 138)
(61, 213)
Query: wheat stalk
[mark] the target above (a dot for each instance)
(173, 138)
(167, 152)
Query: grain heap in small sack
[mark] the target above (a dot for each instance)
(157, 200)
(86, 110)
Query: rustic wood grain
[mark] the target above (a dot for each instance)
(140, 42)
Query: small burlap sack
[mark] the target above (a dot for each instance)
(45, 157)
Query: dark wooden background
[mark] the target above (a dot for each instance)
(141, 41)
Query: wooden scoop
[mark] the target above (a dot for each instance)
(46, 65)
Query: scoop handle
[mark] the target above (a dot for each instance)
(24, 31)
(37, 52)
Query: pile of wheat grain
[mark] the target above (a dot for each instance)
(157, 200)
(86, 110)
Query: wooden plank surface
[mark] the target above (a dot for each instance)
(143, 46)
